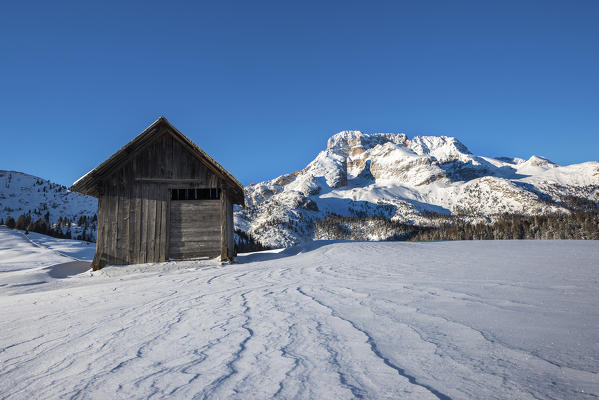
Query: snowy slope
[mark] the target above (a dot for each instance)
(18, 253)
(443, 320)
(34, 261)
(21, 193)
(410, 181)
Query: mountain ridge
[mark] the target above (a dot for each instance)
(409, 180)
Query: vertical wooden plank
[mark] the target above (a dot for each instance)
(144, 167)
(161, 156)
(162, 190)
(157, 219)
(139, 218)
(114, 220)
(144, 224)
(167, 228)
(117, 217)
(152, 168)
(169, 155)
(192, 171)
(106, 233)
(144, 164)
(124, 217)
(134, 231)
(157, 231)
(132, 218)
(163, 223)
(230, 228)
(223, 228)
(173, 173)
(183, 167)
(107, 221)
(174, 158)
(151, 223)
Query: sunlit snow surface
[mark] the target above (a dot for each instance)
(456, 320)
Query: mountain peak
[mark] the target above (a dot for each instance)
(430, 144)
(419, 181)
(354, 142)
(538, 161)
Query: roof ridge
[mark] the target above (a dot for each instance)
(217, 168)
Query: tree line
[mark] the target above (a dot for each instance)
(576, 225)
(245, 242)
(581, 224)
(61, 230)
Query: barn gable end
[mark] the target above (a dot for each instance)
(141, 220)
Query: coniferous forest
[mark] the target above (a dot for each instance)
(61, 229)
(576, 225)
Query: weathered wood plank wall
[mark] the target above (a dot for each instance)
(134, 208)
(195, 229)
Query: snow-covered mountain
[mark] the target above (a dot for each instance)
(21, 193)
(412, 181)
(418, 181)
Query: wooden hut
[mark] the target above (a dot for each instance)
(162, 198)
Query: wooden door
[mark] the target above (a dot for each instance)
(195, 230)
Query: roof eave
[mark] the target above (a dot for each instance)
(87, 184)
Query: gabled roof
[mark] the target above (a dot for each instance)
(88, 183)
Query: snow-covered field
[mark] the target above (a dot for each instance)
(444, 320)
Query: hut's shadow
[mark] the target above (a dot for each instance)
(269, 255)
(64, 270)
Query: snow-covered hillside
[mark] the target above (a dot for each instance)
(439, 320)
(22, 194)
(411, 181)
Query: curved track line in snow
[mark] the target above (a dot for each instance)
(60, 253)
(349, 320)
(236, 356)
(376, 350)
(334, 357)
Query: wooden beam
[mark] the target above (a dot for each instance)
(171, 180)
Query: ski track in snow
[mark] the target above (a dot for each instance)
(446, 320)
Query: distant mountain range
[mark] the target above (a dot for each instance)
(24, 194)
(371, 177)
(415, 181)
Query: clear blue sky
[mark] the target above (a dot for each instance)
(262, 85)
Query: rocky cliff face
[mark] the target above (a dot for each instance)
(408, 180)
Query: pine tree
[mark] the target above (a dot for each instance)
(22, 222)
(10, 222)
